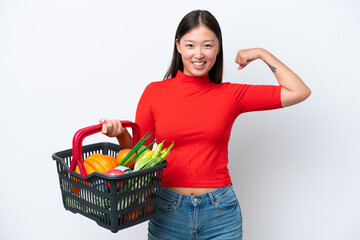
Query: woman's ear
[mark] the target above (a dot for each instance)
(177, 42)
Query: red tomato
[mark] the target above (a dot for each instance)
(114, 172)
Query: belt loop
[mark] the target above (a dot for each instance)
(211, 196)
(178, 202)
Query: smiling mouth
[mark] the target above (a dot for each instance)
(199, 63)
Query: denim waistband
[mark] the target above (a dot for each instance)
(196, 200)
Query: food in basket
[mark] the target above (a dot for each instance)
(113, 202)
(114, 172)
(98, 163)
(158, 150)
(137, 158)
(88, 168)
(122, 154)
(106, 160)
(157, 157)
(145, 155)
(76, 190)
(139, 149)
(124, 169)
(145, 158)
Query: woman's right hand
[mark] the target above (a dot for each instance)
(112, 128)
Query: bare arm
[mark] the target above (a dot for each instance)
(293, 89)
(113, 128)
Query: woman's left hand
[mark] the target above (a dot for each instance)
(246, 56)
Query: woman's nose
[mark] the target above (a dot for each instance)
(198, 53)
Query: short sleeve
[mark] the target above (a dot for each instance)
(144, 114)
(257, 97)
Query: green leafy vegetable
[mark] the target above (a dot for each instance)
(140, 152)
(148, 162)
(135, 148)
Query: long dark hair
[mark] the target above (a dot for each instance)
(189, 22)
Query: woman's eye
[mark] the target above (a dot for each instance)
(189, 45)
(208, 45)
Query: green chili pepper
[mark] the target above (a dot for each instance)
(164, 155)
(158, 150)
(150, 161)
(153, 162)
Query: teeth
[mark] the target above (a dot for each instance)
(199, 63)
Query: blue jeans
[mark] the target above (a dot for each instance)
(214, 215)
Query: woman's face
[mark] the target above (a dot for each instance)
(198, 48)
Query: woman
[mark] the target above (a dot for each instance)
(193, 108)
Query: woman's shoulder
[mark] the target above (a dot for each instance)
(232, 86)
(155, 87)
(159, 84)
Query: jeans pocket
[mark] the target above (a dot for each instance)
(165, 205)
(227, 200)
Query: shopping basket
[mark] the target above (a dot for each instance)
(114, 202)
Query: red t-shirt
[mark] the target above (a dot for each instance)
(198, 115)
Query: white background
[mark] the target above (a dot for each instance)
(66, 64)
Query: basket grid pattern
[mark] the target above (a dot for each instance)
(113, 202)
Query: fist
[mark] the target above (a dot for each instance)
(246, 56)
(111, 128)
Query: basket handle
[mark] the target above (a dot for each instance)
(79, 136)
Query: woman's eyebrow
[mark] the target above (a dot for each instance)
(210, 40)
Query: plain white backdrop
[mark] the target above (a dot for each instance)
(66, 64)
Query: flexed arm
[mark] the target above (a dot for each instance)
(293, 89)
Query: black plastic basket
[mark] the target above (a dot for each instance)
(114, 202)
